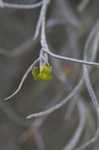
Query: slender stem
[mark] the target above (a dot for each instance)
(19, 6)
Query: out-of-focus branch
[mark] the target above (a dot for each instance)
(19, 6)
(82, 117)
(83, 5)
(90, 89)
(59, 105)
(68, 14)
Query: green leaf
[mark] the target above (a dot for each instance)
(44, 74)
(35, 73)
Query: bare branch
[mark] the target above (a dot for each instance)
(22, 80)
(89, 85)
(59, 105)
(83, 5)
(72, 59)
(68, 14)
(74, 140)
(19, 6)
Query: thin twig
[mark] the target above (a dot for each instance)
(91, 92)
(68, 14)
(59, 105)
(20, 6)
(46, 49)
(72, 59)
(73, 142)
(83, 5)
(22, 80)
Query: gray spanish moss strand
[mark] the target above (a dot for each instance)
(22, 80)
(74, 140)
(90, 89)
(20, 6)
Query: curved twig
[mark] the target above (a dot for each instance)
(22, 80)
(68, 14)
(73, 142)
(20, 6)
(83, 5)
(91, 92)
(59, 105)
(72, 59)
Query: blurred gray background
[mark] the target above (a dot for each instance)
(18, 50)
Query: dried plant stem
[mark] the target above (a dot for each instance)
(74, 140)
(22, 80)
(20, 6)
